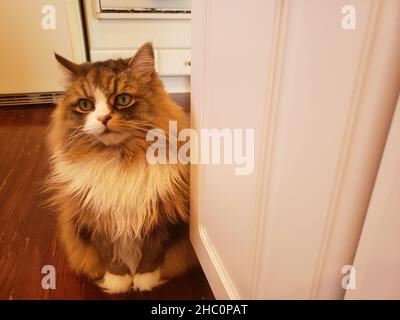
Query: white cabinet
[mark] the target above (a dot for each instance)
(174, 62)
(114, 34)
(320, 100)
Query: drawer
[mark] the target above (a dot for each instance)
(174, 75)
(167, 62)
(101, 55)
(174, 62)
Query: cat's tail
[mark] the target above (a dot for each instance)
(179, 258)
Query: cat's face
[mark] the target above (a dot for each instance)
(109, 101)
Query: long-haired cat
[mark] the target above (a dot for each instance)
(123, 221)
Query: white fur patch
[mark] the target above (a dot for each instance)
(92, 125)
(113, 138)
(96, 128)
(147, 281)
(107, 187)
(113, 283)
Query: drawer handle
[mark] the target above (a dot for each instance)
(188, 63)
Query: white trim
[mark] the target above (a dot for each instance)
(143, 16)
(74, 19)
(343, 161)
(216, 261)
(280, 23)
(378, 246)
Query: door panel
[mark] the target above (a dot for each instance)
(309, 90)
(377, 261)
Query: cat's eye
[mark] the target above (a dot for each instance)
(123, 100)
(86, 105)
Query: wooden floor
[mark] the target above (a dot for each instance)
(28, 240)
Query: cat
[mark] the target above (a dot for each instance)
(123, 222)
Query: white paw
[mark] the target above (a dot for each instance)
(113, 283)
(147, 281)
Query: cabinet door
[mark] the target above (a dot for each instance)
(377, 263)
(320, 99)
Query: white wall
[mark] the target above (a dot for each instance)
(27, 61)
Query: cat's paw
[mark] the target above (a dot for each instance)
(113, 283)
(147, 281)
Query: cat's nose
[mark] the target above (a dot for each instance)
(103, 118)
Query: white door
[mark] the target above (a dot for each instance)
(377, 263)
(320, 96)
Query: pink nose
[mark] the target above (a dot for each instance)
(104, 118)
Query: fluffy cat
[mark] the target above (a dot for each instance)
(123, 221)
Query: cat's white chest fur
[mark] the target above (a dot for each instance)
(107, 187)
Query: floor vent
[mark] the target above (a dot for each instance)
(29, 98)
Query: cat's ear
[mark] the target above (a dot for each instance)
(70, 67)
(143, 61)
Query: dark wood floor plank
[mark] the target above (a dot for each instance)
(28, 239)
